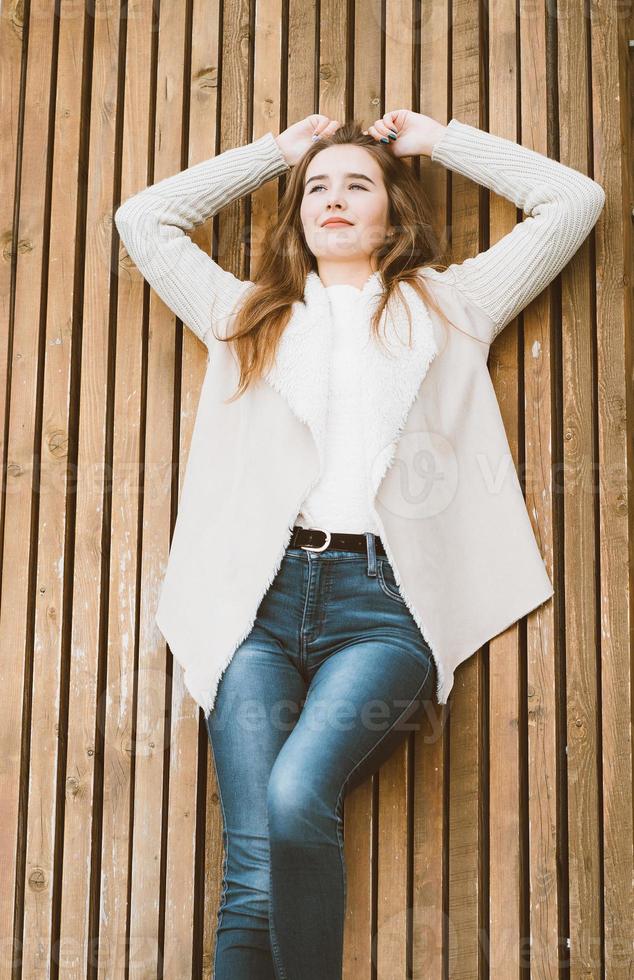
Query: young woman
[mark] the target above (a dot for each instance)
(351, 527)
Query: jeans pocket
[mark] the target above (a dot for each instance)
(385, 576)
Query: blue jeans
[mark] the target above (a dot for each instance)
(329, 681)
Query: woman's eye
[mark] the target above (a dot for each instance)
(315, 186)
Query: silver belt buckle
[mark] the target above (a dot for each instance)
(308, 547)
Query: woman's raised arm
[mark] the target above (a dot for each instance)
(153, 224)
(562, 205)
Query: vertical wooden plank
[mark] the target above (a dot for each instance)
(117, 948)
(430, 758)
(359, 826)
(231, 50)
(506, 947)
(301, 82)
(23, 170)
(611, 30)
(464, 709)
(267, 81)
(542, 676)
(154, 662)
(367, 68)
(580, 699)
(205, 72)
(11, 36)
(11, 44)
(428, 918)
(334, 70)
(179, 955)
(233, 131)
(392, 906)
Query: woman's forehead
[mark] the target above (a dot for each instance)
(344, 161)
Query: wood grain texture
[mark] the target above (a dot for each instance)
(31, 612)
(463, 949)
(505, 800)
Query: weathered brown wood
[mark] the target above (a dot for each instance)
(536, 349)
(359, 854)
(463, 946)
(121, 732)
(503, 940)
(392, 902)
(180, 956)
(612, 162)
(574, 487)
(162, 877)
(203, 135)
(27, 889)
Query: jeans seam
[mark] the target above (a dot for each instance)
(302, 639)
(275, 949)
(384, 586)
(338, 821)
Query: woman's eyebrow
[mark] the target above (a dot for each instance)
(325, 177)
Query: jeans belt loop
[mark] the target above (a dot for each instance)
(371, 549)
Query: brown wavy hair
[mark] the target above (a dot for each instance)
(281, 276)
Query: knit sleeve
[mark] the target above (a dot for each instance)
(562, 206)
(153, 224)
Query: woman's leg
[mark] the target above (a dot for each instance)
(372, 678)
(258, 703)
(379, 688)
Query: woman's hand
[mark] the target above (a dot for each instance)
(295, 140)
(415, 133)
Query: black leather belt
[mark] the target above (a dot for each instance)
(316, 539)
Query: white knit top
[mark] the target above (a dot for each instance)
(339, 501)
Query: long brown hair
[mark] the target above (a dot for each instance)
(286, 261)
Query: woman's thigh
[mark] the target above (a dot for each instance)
(258, 703)
(361, 703)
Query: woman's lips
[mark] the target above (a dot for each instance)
(335, 224)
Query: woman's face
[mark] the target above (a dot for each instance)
(344, 182)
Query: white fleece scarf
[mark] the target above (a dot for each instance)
(301, 369)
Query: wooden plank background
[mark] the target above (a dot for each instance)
(497, 841)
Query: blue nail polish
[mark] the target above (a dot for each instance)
(384, 140)
(392, 137)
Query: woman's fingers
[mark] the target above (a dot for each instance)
(379, 130)
(326, 127)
